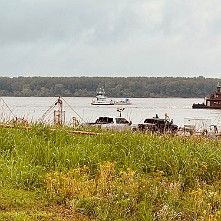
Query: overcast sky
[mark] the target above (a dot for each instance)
(110, 38)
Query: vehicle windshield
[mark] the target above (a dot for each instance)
(154, 121)
(121, 121)
(105, 120)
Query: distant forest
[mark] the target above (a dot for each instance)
(114, 86)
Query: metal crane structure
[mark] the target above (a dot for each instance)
(59, 115)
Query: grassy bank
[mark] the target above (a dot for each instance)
(113, 176)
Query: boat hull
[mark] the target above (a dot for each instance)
(203, 106)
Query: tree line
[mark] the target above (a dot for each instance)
(130, 87)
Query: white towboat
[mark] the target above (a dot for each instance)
(101, 99)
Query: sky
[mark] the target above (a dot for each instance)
(125, 38)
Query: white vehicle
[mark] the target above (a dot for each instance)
(113, 123)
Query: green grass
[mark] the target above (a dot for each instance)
(113, 176)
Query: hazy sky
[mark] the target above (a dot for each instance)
(110, 38)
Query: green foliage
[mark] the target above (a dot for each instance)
(111, 176)
(114, 86)
(21, 205)
(16, 198)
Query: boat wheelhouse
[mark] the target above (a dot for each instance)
(213, 101)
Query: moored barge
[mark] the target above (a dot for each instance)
(213, 101)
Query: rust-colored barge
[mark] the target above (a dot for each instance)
(213, 101)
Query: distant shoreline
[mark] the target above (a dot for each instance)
(118, 87)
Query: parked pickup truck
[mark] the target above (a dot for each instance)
(156, 124)
(115, 123)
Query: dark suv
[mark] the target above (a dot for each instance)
(157, 124)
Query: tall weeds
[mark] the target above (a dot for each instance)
(124, 176)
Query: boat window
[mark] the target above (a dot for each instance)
(121, 121)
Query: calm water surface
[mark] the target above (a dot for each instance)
(33, 108)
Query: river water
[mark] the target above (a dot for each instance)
(33, 108)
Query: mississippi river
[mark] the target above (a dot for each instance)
(33, 108)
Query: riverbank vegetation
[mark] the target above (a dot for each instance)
(114, 86)
(54, 175)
